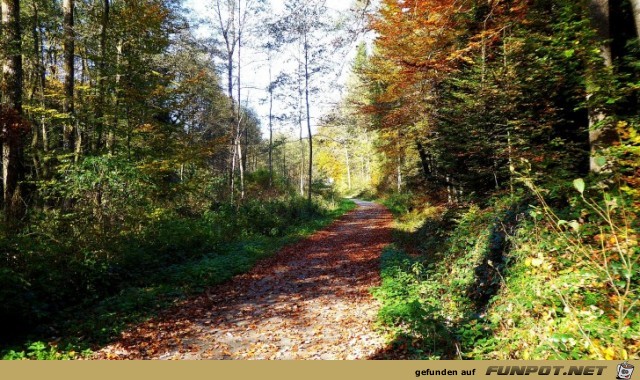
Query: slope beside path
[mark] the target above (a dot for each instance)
(309, 301)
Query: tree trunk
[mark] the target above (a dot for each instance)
(423, 160)
(306, 90)
(301, 130)
(346, 155)
(232, 173)
(102, 72)
(43, 81)
(234, 147)
(228, 31)
(39, 86)
(270, 130)
(302, 155)
(399, 174)
(598, 136)
(111, 136)
(600, 18)
(241, 157)
(284, 164)
(68, 138)
(12, 135)
(12, 61)
(635, 8)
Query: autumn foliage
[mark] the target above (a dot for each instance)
(485, 114)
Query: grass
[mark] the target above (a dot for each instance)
(90, 325)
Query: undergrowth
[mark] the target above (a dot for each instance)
(86, 299)
(523, 278)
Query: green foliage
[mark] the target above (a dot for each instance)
(506, 282)
(42, 351)
(410, 304)
(399, 203)
(431, 295)
(112, 194)
(512, 92)
(572, 290)
(94, 286)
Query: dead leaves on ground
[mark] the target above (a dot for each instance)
(310, 301)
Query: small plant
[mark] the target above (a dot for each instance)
(42, 351)
(593, 274)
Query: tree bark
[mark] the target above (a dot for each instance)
(102, 81)
(231, 36)
(423, 160)
(241, 157)
(635, 8)
(39, 87)
(399, 175)
(12, 134)
(306, 90)
(300, 124)
(270, 125)
(68, 138)
(598, 135)
(348, 163)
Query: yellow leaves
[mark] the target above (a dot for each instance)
(609, 353)
(146, 128)
(628, 132)
(538, 263)
(611, 240)
(534, 262)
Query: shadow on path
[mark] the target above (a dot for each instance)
(309, 301)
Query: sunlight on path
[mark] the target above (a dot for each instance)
(310, 301)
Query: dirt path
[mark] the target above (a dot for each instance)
(310, 301)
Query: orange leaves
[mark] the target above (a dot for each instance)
(417, 33)
(414, 48)
(310, 301)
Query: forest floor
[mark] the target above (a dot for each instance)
(311, 300)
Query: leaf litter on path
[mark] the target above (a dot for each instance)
(309, 301)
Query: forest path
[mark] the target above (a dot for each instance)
(309, 301)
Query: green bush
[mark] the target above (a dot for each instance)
(86, 255)
(572, 291)
(437, 298)
(550, 280)
(399, 203)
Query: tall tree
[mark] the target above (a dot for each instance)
(231, 19)
(12, 123)
(635, 8)
(274, 83)
(307, 24)
(68, 138)
(599, 135)
(102, 74)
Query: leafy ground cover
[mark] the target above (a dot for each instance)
(309, 301)
(517, 279)
(180, 259)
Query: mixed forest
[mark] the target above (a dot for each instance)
(503, 135)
